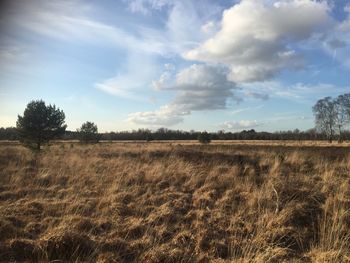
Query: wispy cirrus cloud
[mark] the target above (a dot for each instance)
(131, 81)
(298, 92)
(73, 21)
(234, 112)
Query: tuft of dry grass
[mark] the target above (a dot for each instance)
(171, 202)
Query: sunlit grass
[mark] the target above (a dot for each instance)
(172, 202)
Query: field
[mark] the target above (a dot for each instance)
(175, 202)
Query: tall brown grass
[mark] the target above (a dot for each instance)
(152, 202)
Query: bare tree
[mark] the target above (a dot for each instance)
(342, 104)
(326, 115)
(345, 99)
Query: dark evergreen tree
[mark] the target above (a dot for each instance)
(88, 133)
(40, 123)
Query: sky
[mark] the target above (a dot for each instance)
(186, 64)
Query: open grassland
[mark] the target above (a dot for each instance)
(163, 202)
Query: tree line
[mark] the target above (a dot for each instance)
(41, 123)
(168, 134)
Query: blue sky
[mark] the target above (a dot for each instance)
(186, 64)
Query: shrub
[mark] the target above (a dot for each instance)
(204, 137)
(88, 133)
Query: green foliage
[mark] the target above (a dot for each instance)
(88, 133)
(204, 137)
(40, 124)
(9, 133)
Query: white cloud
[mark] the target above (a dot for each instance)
(198, 88)
(165, 116)
(256, 37)
(203, 87)
(161, 82)
(165, 78)
(239, 125)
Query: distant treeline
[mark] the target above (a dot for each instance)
(167, 134)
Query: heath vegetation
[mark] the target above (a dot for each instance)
(170, 202)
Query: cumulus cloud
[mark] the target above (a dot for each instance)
(256, 37)
(239, 125)
(198, 88)
(202, 87)
(165, 116)
(165, 78)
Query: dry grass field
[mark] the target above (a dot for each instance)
(170, 202)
